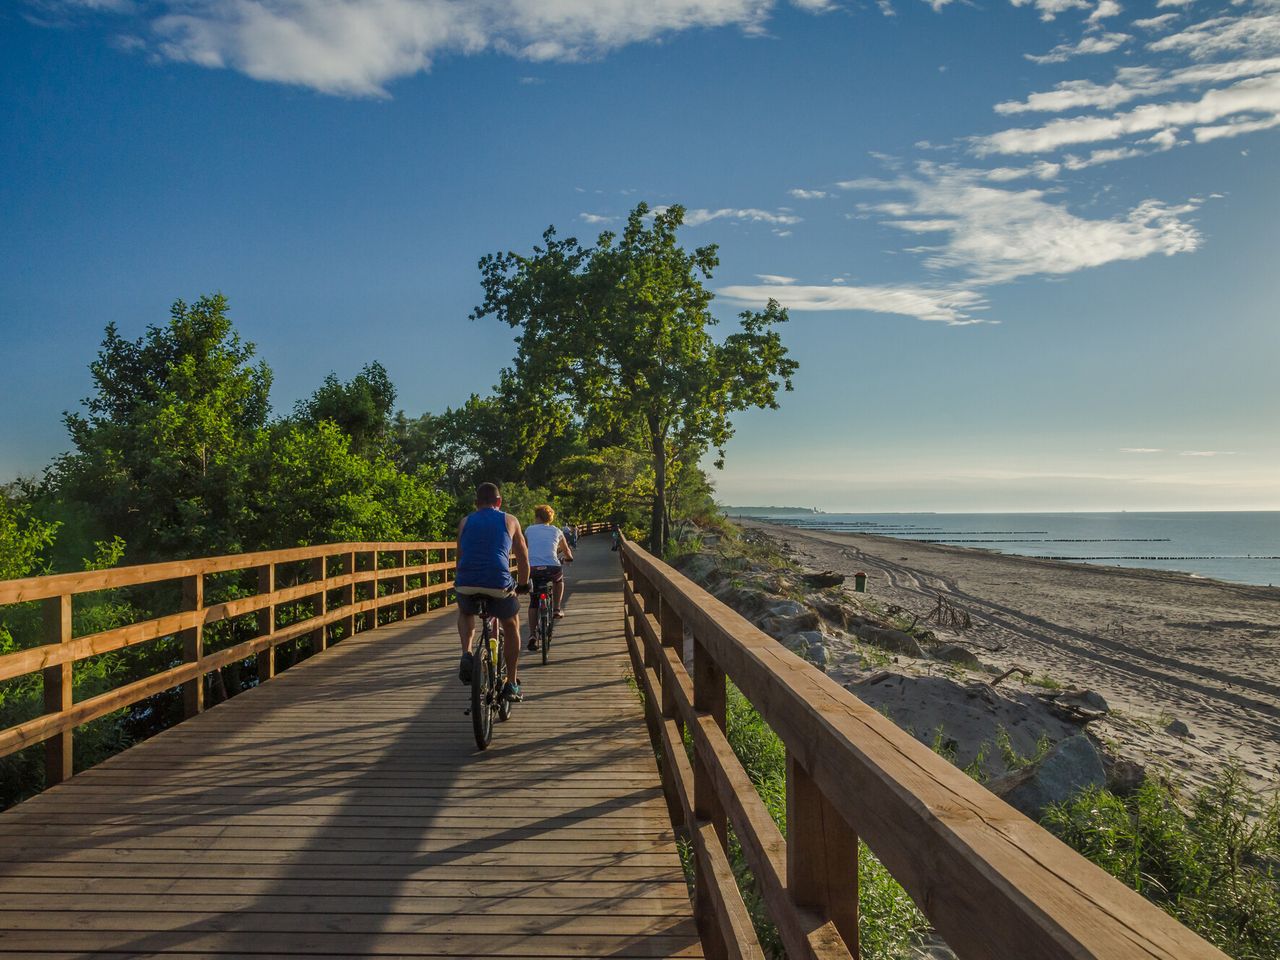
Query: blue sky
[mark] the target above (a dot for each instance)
(1029, 249)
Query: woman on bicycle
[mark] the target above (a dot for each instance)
(547, 546)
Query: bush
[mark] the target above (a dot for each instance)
(1212, 866)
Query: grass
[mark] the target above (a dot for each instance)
(1211, 864)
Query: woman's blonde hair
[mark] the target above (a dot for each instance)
(544, 513)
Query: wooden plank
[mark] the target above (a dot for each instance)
(343, 810)
(193, 645)
(822, 856)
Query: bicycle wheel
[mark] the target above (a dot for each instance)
(502, 706)
(482, 692)
(544, 628)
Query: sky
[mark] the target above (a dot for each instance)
(1029, 248)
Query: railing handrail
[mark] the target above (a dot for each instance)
(991, 881)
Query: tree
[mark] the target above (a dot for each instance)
(159, 458)
(619, 333)
(361, 407)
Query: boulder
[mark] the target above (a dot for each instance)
(1068, 768)
(954, 653)
(783, 617)
(886, 638)
(1178, 729)
(701, 569)
(821, 581)
(1123, 776)
(1082, 704)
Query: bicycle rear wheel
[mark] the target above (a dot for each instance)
(502, 706)
(482, 692)
(544, 628)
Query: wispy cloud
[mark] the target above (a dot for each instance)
(1207, 453)
(1049, 9)
(801, 194)
(697, 217)
(775, 279)
(358, 47)
(994, 235)
(1142, 450)
(1095, 43)
(950, 305)
(595, 219)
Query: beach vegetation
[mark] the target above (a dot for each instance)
(1213, 861)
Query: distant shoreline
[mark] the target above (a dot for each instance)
(1158, 644)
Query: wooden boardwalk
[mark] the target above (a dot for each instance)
(343, 810)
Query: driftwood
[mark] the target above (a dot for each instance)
(1012, 670)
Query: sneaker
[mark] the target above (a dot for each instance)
(533, 643)
(464, 668)
(559, 614)
(511, 692)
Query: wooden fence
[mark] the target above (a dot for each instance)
(340, 585)
(993, 883)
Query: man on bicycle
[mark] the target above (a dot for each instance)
(486, 540)
(547, 545)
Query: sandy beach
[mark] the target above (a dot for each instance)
(1159, 646)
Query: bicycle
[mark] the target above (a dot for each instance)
(544, 623)
(488, 677)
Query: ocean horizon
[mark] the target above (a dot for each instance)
(1234, 546)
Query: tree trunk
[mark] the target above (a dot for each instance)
(657, 520)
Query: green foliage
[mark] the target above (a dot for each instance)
(361, 408)
(310, 486)
(618, 334)
(158, 458)
(1212, 866)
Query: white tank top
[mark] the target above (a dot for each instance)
(544, 541)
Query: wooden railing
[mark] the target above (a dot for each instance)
(338, 587)
(993, 883)
(596, 526)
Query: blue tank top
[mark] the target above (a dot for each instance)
(485, 551)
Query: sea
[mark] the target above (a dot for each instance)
(1241, 547)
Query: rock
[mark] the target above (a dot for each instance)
(954, 653)
(701, 568)
(1123, 776)
(1084, 704)
(886, 638)
(803, 639)
(1068, 768)
(783, 617)
(817, 654)
(1178, 729)
(821, 581)
(837, 614)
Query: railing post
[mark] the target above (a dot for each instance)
(267, 622)
(58, 690)
(320, 639)
(708, 698)
(193, 646)
(349, 564)
(822, 855)
(403, 559)
(373, 584)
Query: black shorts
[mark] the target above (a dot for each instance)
(504, 608)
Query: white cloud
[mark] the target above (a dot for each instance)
(774, 278)
(1224, 35)
(1235, 128)
(801, 194)
(886, 7)
(1155, 23)
(595, 219)
(1254, 95)
(1133, 83)
(1142, 450)
(358, 47)
(1174, 3)
(1091, 44)
(696, 218)
(937, 5)
(1207, 453)
(1104, 9)
(995, 235)
(951, 305)
(1051, 8)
